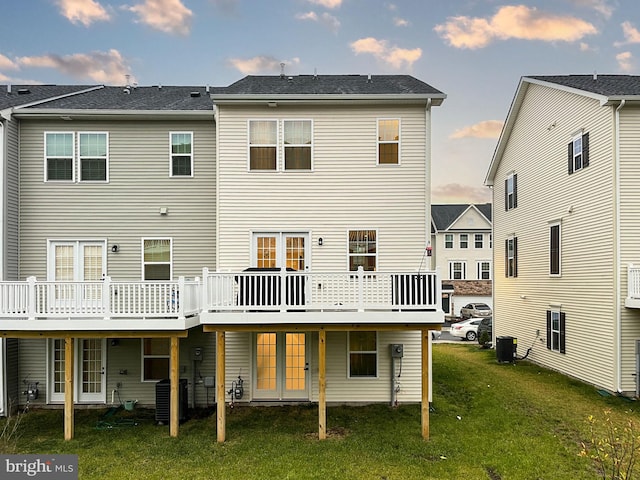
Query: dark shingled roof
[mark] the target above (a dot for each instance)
(330, 85)
(167, 98)
(25, 94)
(443, 216)
(607, 85)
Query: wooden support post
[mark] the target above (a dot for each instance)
(69, 360)
(425, 384)
(174, 377)
(220, 387)
(322, 384)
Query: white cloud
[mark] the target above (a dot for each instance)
(101, 67)
(631, 34)
(484, 129)
(400, 22)
(83, 11)
(169, 16)
(326, 19)
(395, 56)
(457, 193)
(327, 3)
(260, 64)
(517, 21)
(7, 64)
(625, 61)
(604, 7)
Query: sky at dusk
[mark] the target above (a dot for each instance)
(475, 51)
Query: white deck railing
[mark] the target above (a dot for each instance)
(105, 299)
(247, 291)
(281, 290)
(633, 281)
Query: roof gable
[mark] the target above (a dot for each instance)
(461, 216)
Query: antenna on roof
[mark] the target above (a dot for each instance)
(315, 73)
(595, 75)
(282, 70)
(369, 78)
(127, 76)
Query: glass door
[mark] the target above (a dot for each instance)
(89, 371)
(281, 366)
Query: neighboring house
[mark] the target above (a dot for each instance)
(284, 214)
(565, 184)
(462, 253)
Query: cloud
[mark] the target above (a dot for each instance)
(394, 56)
(83, 11)
(259, 64)
(101, 67)
(169, 16)
(400, 22)
(625, 61)
(329, 21)
(485, 129)
(327, 3)
(458, 193)
(601, 6)
(517, 21)
(7, 64)
(631, 34)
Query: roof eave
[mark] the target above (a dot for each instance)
(228, 99)
(70, 114)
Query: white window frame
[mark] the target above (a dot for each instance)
(553, 225)
(80, 157)
(375, 352)
(577, 152)
(271, 145)
(143, 357)
(362, 254)
(382, 142)
(284, 146)
(511, 191)
(511, 267)
(480, 270)
(143, 263)
(47, 157)
(477, 236)
(555, 345)
(463, 244)
(452, 269)
(448, 238)
(172, 155)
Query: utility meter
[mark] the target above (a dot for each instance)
(397, 350)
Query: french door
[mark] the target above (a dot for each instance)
(89, 370)
(281, 362)
(281, 249)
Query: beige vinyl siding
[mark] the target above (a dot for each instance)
(537, 152)
(346, 189)
(629, 235)
(127, 208)
(11, 249)
(32, 362)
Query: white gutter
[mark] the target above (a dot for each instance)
(3, 201)
(70, 114)
(617, 259)
(427, 179)
(216, 121)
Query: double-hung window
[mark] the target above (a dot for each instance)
(93, 156)
(511, 192)
(578, 152)
(363, 354)
(388, 141)
(556, 330)
(448, 240)
(464, 240)
(457, 270)
(263, 145)
(181, 154)
(554, 249)
(478, 240)
(59, 156)
(297, 144)
(511, 257)
(363, 250)
(155, 359)
(156, 254)
(484, 270)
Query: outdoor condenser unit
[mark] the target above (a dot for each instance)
(163, 400)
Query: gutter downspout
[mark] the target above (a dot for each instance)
(3, 200)
(427, 223)
(617, 259)
(217, 196)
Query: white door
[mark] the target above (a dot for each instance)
(281, 366)
(281, 249)
(89, 372)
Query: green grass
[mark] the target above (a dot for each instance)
(490, 421)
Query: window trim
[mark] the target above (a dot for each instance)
(463, 269)
(452, 240)
(47, 157)
(171, 154)
(362, 254)
(284, 146)
(143, 357)
(466, 241)
(143, 263)
(584, 153)
(511, 272)
(479, 269)
(511, 193)
(555, 253)
(376, 353)
(475, 241)
(272, 145)
(388, 142)
(80, 157)
(561, 331)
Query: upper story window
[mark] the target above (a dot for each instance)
(511, 192)
(181, 154)
(483, 270)
(263, 144)
(457, 270)
(578, 157)
(448, 240)
(156, 259)
(478, 240)
(363, 354)
(554, 249)
(511, 257)
(464, 240)
(363, 250)
(388, 141)
(297, 144)
(92, 156)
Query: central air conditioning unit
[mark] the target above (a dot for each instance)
(163, 400)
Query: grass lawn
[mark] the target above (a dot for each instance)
(490, 421)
